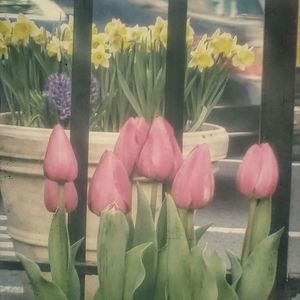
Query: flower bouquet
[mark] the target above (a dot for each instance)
(158, 254)
(128, 72)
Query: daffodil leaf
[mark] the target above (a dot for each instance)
(260, 267)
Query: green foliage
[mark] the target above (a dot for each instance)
(260, 267)
(65, 283)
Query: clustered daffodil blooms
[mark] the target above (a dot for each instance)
(129, 64)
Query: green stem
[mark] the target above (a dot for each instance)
(187, 219)
(153, 199)
(247, 239)
(190, 228)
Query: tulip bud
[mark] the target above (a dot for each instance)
(60, 162)
(193, 185)
(160, 157)
(130, 142)
(110, 185)
(258, 173)
(51, 195)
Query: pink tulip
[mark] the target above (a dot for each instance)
(258, 173)
(110, 185)
(130, 142)
(193, 185)
(160, 157)
(60, 163)
(51, 195)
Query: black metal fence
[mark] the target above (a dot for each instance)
(276, 117)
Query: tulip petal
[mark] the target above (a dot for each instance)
(193, 185)
(60, 163)
(160, 156)
(249, 170)
(70, 196)
(110, 185)
(51, 195)
(268, 178)
(130, 142)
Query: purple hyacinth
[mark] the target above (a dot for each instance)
(58, 93)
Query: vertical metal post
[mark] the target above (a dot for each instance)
(81, 78)
(280, 34)
(176, 65)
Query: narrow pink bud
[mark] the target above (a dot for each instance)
(160, 157)
(130, 142)
(60, 163)
(51, 195)
(258, 173)
(110, 185)
(193, 185)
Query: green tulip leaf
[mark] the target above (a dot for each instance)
(135, 271)
(217, 267)
(161, 286)
(112, 244)
(58, 248)
(42, 288)
(260, 267)
(74, 283)
(236, 268)
(199, 232)
(204, 285)
(131, 231)
(179, 258)
(161, 226)
(262, 222)
(145, 233)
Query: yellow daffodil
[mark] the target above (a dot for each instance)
(97, 40)
(71, 23)
(156, 29)
(3, 48)
(39, 35)
(201, 57)
(243, 57)
(100, 57)
(66, 33)
(22, 29)
(136, 34)
(5, 28)
(189, 33)
(68, 47)
(223, 43)
(54, 48)
(115, 34)
(163, 37)
(94, 29)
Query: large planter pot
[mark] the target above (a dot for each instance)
(22, 151)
